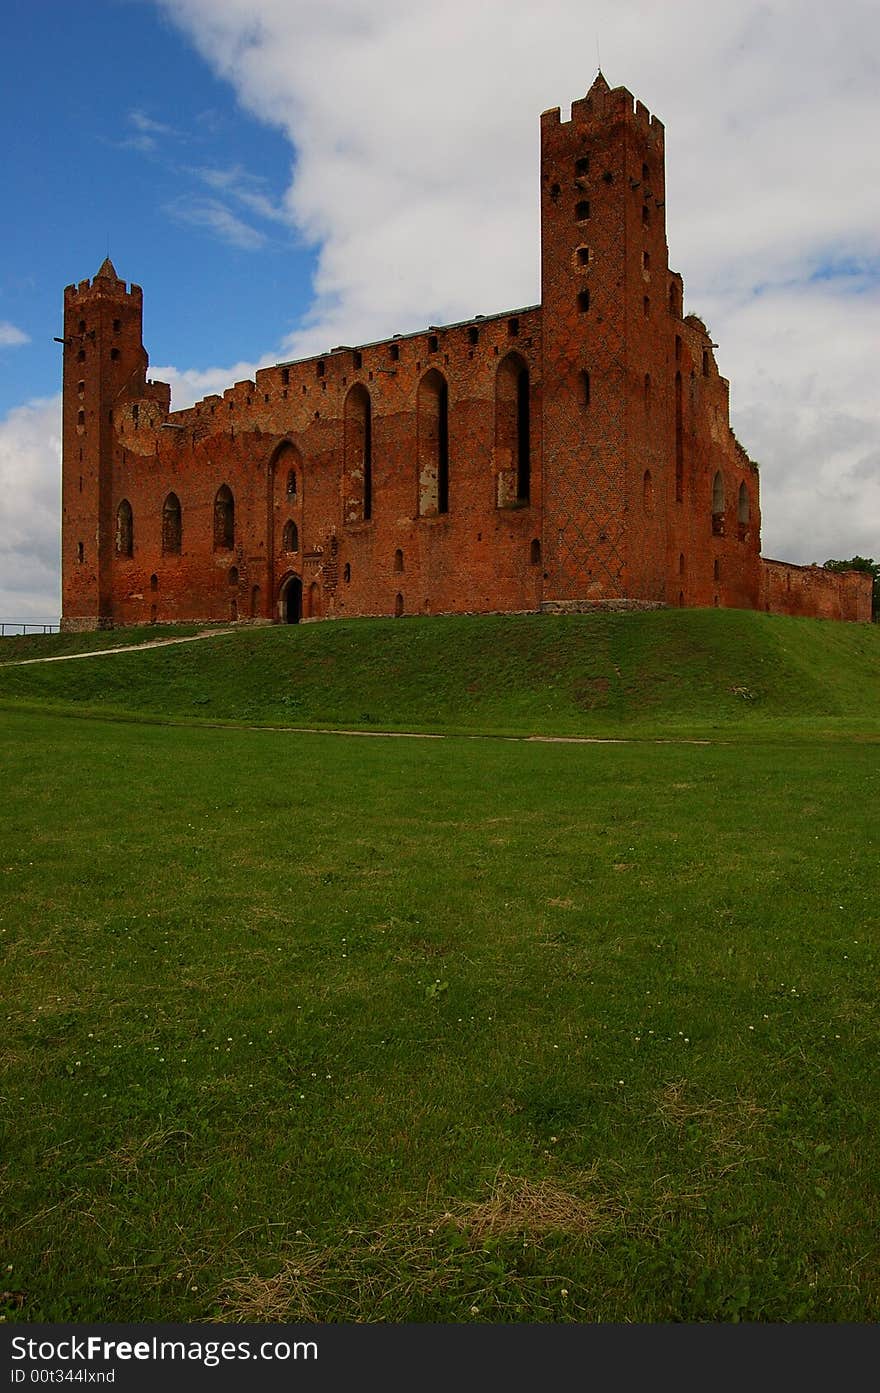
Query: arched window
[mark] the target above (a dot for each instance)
(124, 529)
(681, 564)
(432, 411)
(398, 606)
(291, 536)
(535, 552)
(513, 454)
(172, 530)
(398, 560)
(233, 575)
(224, 519)
(718, 504)
(358, 451)
(154, 583)
(743, 509)
(346, 575)
(286, 471)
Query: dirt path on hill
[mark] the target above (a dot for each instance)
(122, 648)
(330, 730)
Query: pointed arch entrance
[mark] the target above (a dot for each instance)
(290, 600)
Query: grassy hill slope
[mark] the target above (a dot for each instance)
(664, 672)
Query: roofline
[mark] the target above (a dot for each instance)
(401, 338)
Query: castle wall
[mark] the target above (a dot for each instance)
(569, 454)
(814, 593)
(713, 554)
(408, 556)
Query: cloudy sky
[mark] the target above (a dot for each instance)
(282, 176)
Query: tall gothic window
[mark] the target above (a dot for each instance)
(433, 443)
(124, 529)
(224, 519)
(358, 452)
(171, 525)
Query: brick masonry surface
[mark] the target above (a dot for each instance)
(571, 455)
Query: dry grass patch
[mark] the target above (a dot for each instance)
(388, 1268)
(519, 1206)
(725, 1124)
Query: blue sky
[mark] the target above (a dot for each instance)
(281, 176)
(116, 128)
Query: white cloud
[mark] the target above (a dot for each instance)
(189, 385)
(249, 190)
(148, 125)
(11, 336)
(30, 492)
(216, 218)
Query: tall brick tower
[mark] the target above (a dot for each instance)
(606, 350)
(104, 364)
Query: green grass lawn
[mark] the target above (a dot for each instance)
(666, 672)
(310, 1027)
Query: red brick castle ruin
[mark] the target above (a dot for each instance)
(572, 454)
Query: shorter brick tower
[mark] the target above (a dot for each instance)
(104, 364)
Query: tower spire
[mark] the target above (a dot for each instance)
(106, 271)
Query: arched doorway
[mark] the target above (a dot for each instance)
(291, 598)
